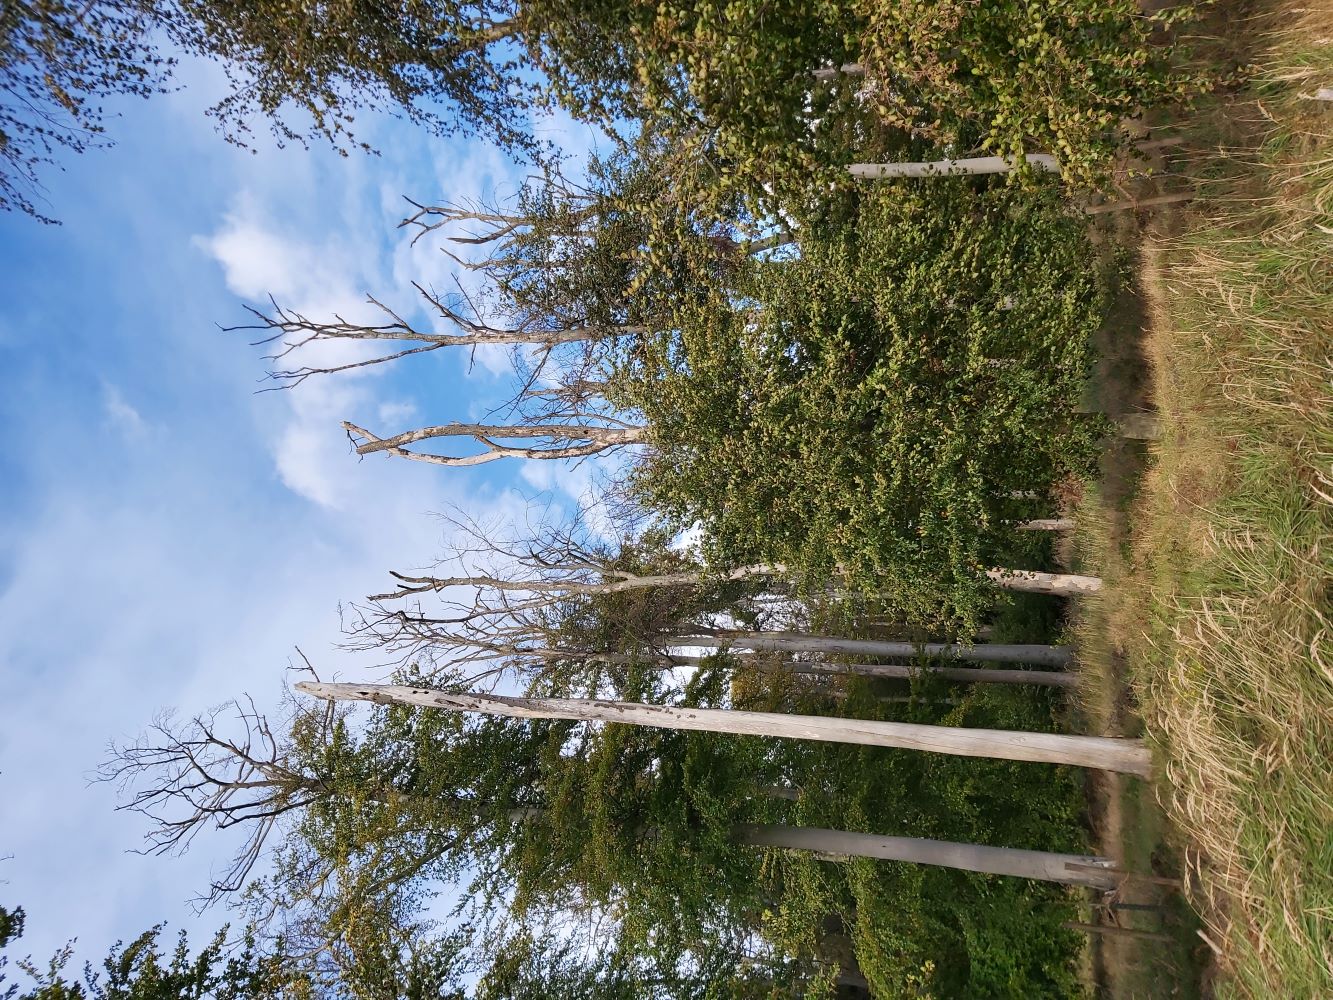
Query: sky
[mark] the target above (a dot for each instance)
(169, 536)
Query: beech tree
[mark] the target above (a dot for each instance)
(867, 409)
(641, 831)
(1113, 754)
(58, 60)
(144, 970)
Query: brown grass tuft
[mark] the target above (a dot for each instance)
(1223, 601)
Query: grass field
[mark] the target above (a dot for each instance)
(1215, 628)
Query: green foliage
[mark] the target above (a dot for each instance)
(1057, 76)
(333, 61)
(58, 60)
(728, 82)
(923, 931)
(11, 929)
(141, 970)
(871, 403)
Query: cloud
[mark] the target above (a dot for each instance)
(396, 411)
(124, 417)
(319, 276)
(137, 578)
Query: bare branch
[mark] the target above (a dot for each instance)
(583, 440)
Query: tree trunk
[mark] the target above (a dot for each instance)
(1033, 582)
(1054, 656)
(1129, 756)
(579, 441)
(944, 168)
(1047, 524)
(891, 671)
(833, 72)
(1069, 869)
(425, 584)
(958, 675)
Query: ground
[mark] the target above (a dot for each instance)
(1214, 632)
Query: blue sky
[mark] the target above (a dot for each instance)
(167, 535)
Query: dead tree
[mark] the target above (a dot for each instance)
(558, 441)
(1108, 753)
(291, 331)
(826, 668)
(1035, 582)
(1053, 656)
(202, 778)
(842, 845)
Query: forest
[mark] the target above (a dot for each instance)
(949, 617)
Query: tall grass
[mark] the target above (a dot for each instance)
(1223, 606)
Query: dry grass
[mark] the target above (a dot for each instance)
(1221, 598)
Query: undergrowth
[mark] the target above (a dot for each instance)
(1223, 604)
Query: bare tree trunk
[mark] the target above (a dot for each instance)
(426, 584)
(1047, 524)
(564, 441)
(958, 675)
(1033, 582)
(833, 72)
(1054, 656)
(1069, 869)
(945, 168)
(1139, 203)
(890, 671)
(1129, 756)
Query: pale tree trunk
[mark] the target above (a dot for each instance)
(891, 671)
(1069, 869)
(1136, 204)
(945, 168)
(425, 584)
(957, 675)
(563, 441)
(291, 331)
(1108, 753)
(842, 845)
(833, 72)
(1034, 582)
(1054, 656)
(1047, 524)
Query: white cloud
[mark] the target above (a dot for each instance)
(318, 276)
(184, 574)
(124, 417)
(396, 411)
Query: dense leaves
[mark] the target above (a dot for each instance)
(142, 970)
(735, 85)
(1058, 76)
(869, 405)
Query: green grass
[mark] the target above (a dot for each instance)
(1219, 596)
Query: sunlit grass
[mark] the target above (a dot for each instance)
(1221, 601)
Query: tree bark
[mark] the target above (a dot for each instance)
(833, 72)
(1128, 756)
(1033, 582)
(959, 675)
(1069, 869)
(426, 584)
(1054, 656)
(944, 168)
(594, 439)
(891, 671)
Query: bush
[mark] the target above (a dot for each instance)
(1056, 76)
(871, 404)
